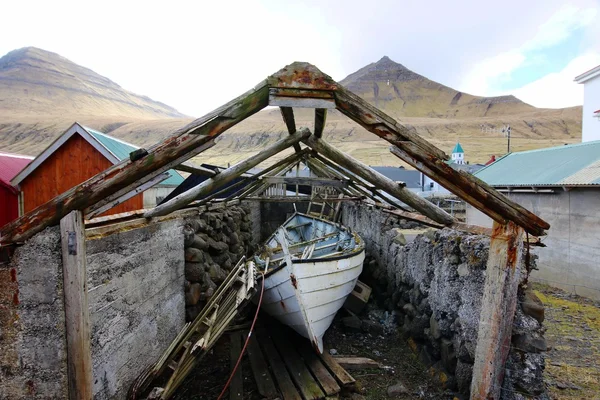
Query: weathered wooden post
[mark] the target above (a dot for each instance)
(498, 306)
(79, 357)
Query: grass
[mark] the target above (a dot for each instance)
(573, 334)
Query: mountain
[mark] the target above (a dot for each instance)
(401, 92)
(38, 81)
(42, 94)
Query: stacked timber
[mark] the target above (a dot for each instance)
(214, 242)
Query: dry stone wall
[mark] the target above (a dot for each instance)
(214, 242)
(434, 285)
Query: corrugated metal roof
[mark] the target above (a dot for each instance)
(11, 165)
(570, 165)
(121, 150)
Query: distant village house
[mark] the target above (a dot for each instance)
(590, 124)
(77, 155)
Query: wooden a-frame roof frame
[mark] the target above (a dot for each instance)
(297, 85)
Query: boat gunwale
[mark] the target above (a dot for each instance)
(359, 248)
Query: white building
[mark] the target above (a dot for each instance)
(458, 161)
(591, 104)
(458, 154)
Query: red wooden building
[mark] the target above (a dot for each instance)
(10, 165)
(73, 158)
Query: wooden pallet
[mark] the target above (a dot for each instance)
(285, 365)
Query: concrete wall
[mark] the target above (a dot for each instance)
(136, 299)
(434, 286)
(136, 281)
(570, 259)
(590, 126)
(33, 355)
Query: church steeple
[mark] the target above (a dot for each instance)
(458, 154)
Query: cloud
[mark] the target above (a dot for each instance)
(558, 89)
(492, 74)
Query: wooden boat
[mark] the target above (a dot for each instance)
(312, 265)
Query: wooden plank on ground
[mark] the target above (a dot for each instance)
(342, 376)
(327, 382)
(351, 362)
(309, 388)
(286, 386)
(77, 318)
(236, 387)
(260, 370)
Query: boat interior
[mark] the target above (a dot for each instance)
(307, 238)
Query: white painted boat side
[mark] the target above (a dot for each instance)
(320, 286)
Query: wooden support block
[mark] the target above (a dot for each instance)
(286, 386)
(236, 388)
(340, 374)
(358, 298)
(260, 370)
(350, 362)
(498, 306)
(306, 384)
(77, 318)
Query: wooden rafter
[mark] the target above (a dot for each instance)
(226, 176)
(175, 149)
(320, 118)
(287, 113)
(375, 178)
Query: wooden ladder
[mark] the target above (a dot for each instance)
(321, 208)
(196, 338)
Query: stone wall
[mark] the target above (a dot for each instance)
(434, 287)
(33, 358)
(214, 242)
(135, 281)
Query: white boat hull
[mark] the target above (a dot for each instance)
(307, 295)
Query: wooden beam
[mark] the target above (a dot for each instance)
(498, 305)
(196, 170)
(380, 181)
(178, 146)
(225, 176)
(459, 226)
(303, 180)
(287, 113)
(299, 199)
(356, 182)
(472, 190)
(77, 318)
(320, 118)
(300, 98)
(430, 160)
(114, 200)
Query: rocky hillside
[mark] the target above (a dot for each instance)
(42, 94)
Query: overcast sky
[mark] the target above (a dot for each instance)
(198, 55)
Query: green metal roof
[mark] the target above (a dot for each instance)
(570, 165)
(458, 148)
(121, 150)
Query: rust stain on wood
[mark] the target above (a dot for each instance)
(294, 282)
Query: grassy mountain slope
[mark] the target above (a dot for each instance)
(42, 94)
